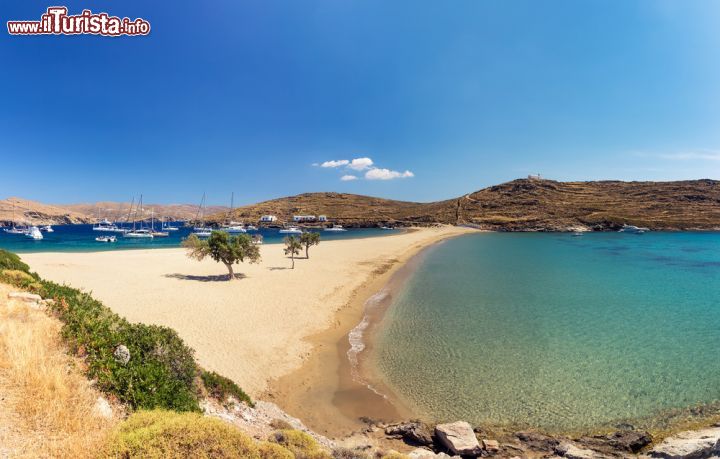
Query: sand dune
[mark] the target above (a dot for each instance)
(252, 329)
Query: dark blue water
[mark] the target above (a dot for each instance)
(558, 332)
(81, 238)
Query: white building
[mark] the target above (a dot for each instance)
(322, 218)
(304, 218)
(268, 218)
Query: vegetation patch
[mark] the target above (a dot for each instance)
(167, 434)
(301, 444)
(222, 388)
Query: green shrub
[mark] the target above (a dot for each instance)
(166, 434)
(301, 444)
(9, 260)
(161, 370)
(221, 388)
(270, 450)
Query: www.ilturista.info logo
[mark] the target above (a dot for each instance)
(57, 22)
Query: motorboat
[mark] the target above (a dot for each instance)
(234, 229)
(632, 229)
(160, 233)
(385, 228)
(47, 229)
(202, 232)
(106, 238)
(251, 228)
(15, 230)
(335, 228)
(291, 230)
(34, 233)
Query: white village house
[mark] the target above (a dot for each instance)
(268, 218)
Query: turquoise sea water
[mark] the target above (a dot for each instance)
(81, 238)
(557, 332)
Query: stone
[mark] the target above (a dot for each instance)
(572, 451)
(102, 408)
(415, 432)
(122, 354)
(691, 444)
(25, 296)
(420, 453)
(491, 446)
(630, 440)
(459, 438)
(537, 441)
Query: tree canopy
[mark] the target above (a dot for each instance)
(292, 247)
(223, 248)
(308, 239)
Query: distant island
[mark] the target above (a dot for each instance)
(530, 204)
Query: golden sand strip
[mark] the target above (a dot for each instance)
(253, 329)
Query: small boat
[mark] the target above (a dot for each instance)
(291, 230)
(632, 229)
(160, 233)
(47, 229)
(15, 230)
(140, 233)
(165, 227)
(251, 228)
(34, 233)
(106, 238)
(336, 228)
(577, 233)
(234, 229)
(385, 228)
(202, 232)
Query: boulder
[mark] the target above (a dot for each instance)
(491, 446)
(102, 408)
(690, 445)
(630, 440)
(415, 432)
(420, 453)
(572, 451)
(25, 296)
(459, 438)
(122, 354)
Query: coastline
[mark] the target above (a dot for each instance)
(326, 392)
(255, 329)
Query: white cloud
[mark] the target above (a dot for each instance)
(386, 174)
(360, 164)
(337, 163)
(347, 178)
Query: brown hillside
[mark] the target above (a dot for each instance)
(35, 213)
(520, 205)
(118, 211)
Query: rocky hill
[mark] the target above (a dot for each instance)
(23, 211)
(520, 205)
(118, 211)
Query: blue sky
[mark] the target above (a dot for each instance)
(443, 97)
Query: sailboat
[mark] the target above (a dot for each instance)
(166, 227)
(231, 226)
(13, 229)
(139, 232)
(202, 230)
(47, 229)
(152, 226)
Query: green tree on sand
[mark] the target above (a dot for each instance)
(292, 248)
(223, 248)
(309, 239)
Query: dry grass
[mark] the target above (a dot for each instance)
(48, 406)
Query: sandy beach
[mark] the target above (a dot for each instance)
(256, 329)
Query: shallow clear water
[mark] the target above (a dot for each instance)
(557, 332)
(81, 238)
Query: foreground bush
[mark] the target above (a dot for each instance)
(161, 369)
(143, 366)
(166, 434)
(9, 260)
(222, 388)
(301, 444)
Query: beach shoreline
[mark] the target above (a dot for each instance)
(331, 395)
(260, 329)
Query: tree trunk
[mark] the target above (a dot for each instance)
(306, 251)
(231, 274)
(292, 257)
